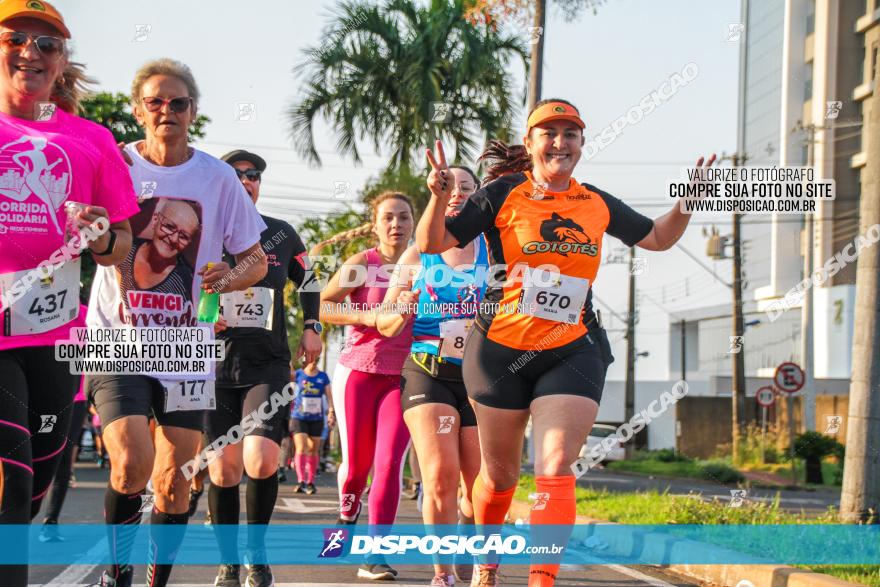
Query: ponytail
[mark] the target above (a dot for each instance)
(72, 87)
(366, 229)
(503, 159)
(343, 238)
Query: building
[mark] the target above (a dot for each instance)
(806, 76)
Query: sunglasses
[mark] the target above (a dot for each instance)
(176, 105)
(251, 174)
(14, 43)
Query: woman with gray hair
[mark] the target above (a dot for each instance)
(192, 208)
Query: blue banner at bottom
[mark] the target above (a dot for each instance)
(812, 544)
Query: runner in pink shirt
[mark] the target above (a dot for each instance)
(48, 157)
(366, 382)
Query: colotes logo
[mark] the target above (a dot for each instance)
(334, 542)
(563, 236)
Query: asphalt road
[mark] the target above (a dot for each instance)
(85, 501)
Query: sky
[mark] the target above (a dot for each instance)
(245, 53)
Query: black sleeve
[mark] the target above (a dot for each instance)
(624, 223)
(296, 272)
(477, 214)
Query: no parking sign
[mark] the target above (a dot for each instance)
(789, 377)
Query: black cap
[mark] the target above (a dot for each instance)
(242, 155)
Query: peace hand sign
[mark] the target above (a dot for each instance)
(439, 180)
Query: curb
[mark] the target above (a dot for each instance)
(751, 575)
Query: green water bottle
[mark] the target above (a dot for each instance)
(209, 305)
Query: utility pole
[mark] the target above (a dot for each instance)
(807, 360)
(630, 389)
(738, 368)
(683, 350)
(537, 65)
(860, 495)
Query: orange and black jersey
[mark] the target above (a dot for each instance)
(525, 225)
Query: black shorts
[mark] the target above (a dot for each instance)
(118, 396)
(502, 377)
(418, 387)
(235, 401)
(310, 427)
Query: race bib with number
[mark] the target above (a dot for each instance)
(453, 334)
(183, 396)
(50, 302)
(249, 308)
(554, 297)
(312, 405)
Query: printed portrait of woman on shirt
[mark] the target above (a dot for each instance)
(163, 252)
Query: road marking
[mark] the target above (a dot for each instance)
(295, 505)
(639, 576)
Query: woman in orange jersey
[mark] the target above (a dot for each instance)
(537, 348)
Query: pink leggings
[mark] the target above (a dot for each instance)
(373, 436)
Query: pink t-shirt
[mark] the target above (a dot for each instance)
(44, 164)
(365, 349)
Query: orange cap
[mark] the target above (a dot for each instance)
(554, 111)
(33, 9)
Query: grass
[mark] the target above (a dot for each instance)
(660, 508)
(651, 467)
(645, 463)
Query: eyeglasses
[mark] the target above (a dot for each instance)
(251, 174)
(168, 228)
(14, 43)
(176, 105)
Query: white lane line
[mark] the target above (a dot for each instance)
(639, 576)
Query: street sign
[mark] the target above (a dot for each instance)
(789, 377)
(765, 396)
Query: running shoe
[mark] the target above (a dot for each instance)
(282, 476)
(259, 576)
(301, 488)
(412, 493)
(485, 576)
(194, 497)
(208, 520)
(72, 482)
(228, 576)
(124, 579)
(443, 580)
(378, 572)
(311, 489)
(49, 533)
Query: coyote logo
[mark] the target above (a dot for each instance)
(563, 236)
(560, 229)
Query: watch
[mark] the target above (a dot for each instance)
(110, 246)
(314, 326)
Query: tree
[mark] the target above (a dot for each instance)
(313, 231)
(402, 75)
(814, 446)
(399, 180)
(524, 11)
(113, 111)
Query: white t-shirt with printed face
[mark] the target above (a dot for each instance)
(189, 214)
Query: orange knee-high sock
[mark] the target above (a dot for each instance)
(557, 512)
(490, 507)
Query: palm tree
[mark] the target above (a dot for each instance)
(382, 69)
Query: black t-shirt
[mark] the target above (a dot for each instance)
(259, 355)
